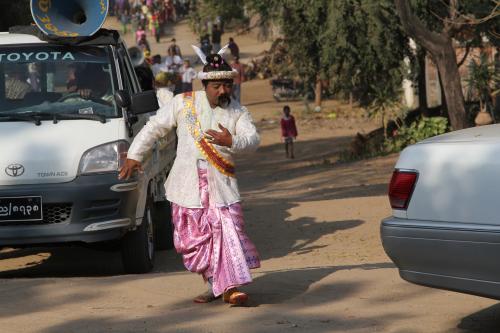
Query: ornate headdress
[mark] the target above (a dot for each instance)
(215, 67)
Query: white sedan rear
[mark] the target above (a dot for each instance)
(445, 228)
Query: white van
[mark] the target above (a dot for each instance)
(68, 114)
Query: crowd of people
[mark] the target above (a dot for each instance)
(149, 15)
(172, 71)
(177, 74)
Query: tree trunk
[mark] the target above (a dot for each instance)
(439, 46)
(317, 94)
(422, 80)
(452, 86)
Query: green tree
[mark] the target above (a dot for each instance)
(302, 25)
(436, 26)
(355, 45)
(208, 10)
(363, 49)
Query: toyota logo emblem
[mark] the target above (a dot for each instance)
(14, 170)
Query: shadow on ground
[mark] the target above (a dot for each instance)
(484, 321)
(75, 261)
(185, 316)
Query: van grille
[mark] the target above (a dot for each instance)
(56, 213)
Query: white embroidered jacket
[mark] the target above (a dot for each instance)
(182, 183)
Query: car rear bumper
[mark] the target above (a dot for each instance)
(88, 209)
(454, 256)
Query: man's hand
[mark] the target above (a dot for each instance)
(223, 138)
(129, 168)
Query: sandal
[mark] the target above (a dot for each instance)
(206, 297)
(235, 297)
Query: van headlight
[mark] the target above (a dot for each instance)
(105, 158)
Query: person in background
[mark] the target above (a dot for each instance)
(155, 19)
(139, 33)
(173, 61)
(93, 83)
(205, 45)
(71, 84)
(233, 47)
(174, 48)
(164, 88)
(216, 37)
(238, 79)
(124, 20)
(157, 66)
(34, 76)
(147, 58)
(16, 86)
(188, 75)
(170, 11)
(145, 77)
(288, 131)
(143, 44)
(135, 18)
(122, 11)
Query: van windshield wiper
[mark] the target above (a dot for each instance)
(96, 117)
(32, 118)
(57, 116)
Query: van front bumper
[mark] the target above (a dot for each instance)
(88, 209)
(447, 255)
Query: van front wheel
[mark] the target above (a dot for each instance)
(138, 246)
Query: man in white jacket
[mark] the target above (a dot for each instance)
(206, 210)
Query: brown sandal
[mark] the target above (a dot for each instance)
(235, 297)
(206, 297)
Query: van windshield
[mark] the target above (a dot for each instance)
(53, 79)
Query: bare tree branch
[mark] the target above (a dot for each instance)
(467, 50)
(462, 19)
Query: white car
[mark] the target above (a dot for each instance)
(445, 228)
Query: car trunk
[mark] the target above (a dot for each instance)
(458, 177)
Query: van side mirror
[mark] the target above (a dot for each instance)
(122, 99)
(144, 102)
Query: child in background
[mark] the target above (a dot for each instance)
(139, 33)
(288, 131)
(124, 20)
(155, 20)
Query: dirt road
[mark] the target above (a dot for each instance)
(316, 224)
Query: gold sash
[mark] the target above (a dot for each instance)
(207, 149)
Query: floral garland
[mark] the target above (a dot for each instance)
(206, 148)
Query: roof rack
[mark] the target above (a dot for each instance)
(101, 37)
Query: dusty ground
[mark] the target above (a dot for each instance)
(316, 224)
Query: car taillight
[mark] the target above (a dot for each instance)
(401, 188)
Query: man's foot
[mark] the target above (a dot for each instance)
(235, 297)
(206, 297)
